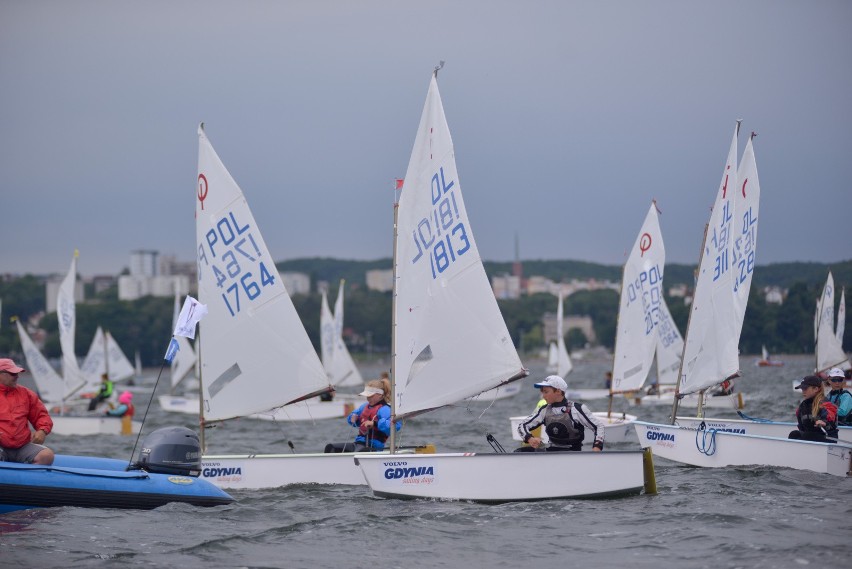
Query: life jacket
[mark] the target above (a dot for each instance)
(106, 389)
(131, 410)
(834, 396)
(372, 433)
(807, 420)
(561, 427)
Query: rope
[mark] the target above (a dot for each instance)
(495, 444)
(756, 420)
(145, 416)
(706, 446)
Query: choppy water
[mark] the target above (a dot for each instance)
(736, 517)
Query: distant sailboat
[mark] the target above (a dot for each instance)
(336, 359)
(829, 344)
(105, 356)
(766, 360)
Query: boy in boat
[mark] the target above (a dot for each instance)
(20, 408)
(565, 422)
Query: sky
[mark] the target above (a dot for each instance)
(567, 117)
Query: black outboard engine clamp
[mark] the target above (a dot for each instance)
(171, 450)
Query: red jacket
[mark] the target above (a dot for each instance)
(18, 407)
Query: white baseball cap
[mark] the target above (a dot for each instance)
(836, 372)
(553, 381)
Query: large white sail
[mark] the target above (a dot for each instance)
(66, 314)
(711, 347)
(345, 372)
(639, 307)
(450, 338)
(184, 361)
(255, 352)
(669, 346)
(829, 352)
(51, 387)
(746, 208)
(563, 360)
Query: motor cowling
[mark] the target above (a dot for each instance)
(171, 450)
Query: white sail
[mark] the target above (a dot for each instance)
(563, 360)
(829, 351)
(764, 354)
(841, 318)
(51, 387)
(327, 331)
(344, 370)
(744, 227)
(451, 340)
(184, 361)
(711, 347)
(669, 347)
(255, 352)
(639, 307)
(552, 358)
(66, 315)
(105, 356)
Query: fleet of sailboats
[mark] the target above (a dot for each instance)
(712, 337)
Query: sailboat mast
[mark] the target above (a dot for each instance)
(392, 439)
(686, 335)
(200, 392)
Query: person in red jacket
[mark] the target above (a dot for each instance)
(20, 408)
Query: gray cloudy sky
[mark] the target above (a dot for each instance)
(568, 117)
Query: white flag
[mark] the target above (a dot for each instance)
(191, 313)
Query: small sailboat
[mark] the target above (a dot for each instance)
(829, 343)
(450, 342)
(336, 359)
(766, 360)
(712, 337)
(552, 358)
(256, 357)
(105, 356)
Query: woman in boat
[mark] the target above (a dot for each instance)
(372, 419)
(565, 422)
(19, 408)
(839, 396)
(816, 416)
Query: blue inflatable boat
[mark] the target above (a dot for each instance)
(93, 482)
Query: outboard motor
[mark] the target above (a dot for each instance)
(171, 450)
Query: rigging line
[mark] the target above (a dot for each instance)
(145, 416)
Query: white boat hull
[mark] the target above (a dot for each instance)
(777, 429)
(502, 392)
(311, 410)
(504, 477)
(734, 401)
(617, 429)
(720, 449)
(586, 394)
(276, 470)
(85, 426)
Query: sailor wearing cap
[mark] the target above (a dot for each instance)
(565, 422)
(817, 417)
(839, 396)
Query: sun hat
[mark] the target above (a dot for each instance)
(372, 391)
(8, 365)
(809, 381)
(553, 381)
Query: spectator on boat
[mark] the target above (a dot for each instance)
(372, 419)
(19, 408)
(564, 421)
(816, 416)
(840, 396)
(105, 392)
